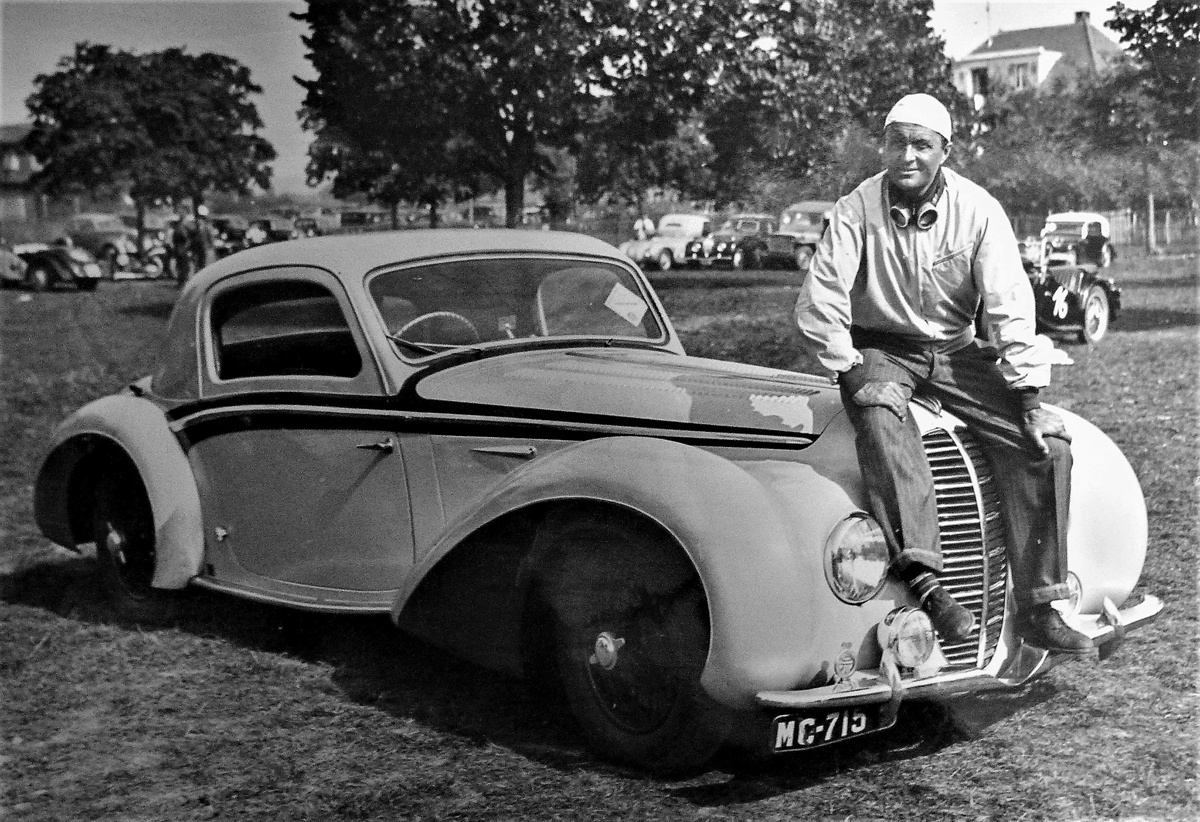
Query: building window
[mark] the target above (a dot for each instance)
(1021, 75)
(979, 81)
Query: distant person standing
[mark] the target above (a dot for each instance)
(643, 227)
(179, 246)
(202, 239)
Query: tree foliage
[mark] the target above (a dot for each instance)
(1164, 43)
(163, 124)
(491, 87)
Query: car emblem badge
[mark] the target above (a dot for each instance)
(843, 669)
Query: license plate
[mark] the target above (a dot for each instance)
(812, 729)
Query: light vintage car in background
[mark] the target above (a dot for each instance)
(105, 237)
(495, 437)
(800, 227)
(740, 242)
(667, 246)
(1078, 238)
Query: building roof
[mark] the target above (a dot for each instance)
(14, 133)
(1083, 45)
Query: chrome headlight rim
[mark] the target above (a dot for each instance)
(859, 529)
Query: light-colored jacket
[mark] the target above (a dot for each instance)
(923, 285)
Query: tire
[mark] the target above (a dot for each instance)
(1095, 316)
(803, 256)
(664, 260)
(39, 278)
(738, 263)
(627, 641)
(87, 285)
(123, 528)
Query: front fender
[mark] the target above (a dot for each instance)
(138, 428)
(754, 529)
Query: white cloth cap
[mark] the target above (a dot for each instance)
(921, 110)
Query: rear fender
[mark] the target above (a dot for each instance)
(755, 537)
(137, 427)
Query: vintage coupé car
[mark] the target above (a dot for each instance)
(1078, 238)
(667, 246)
(740, 242)
(495, 436)
(48, 265)
(800, 227)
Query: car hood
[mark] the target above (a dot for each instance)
(628, 386)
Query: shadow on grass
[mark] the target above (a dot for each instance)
(157, 310)
(376, 665)
(1155, 319)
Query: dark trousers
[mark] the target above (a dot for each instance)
(1034, 490)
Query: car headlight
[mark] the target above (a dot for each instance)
(856, 559)
(907, 634)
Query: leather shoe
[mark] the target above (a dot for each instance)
(953, 622)
(1044, 628)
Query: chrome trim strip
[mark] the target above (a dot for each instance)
(380, 602)
(608, 429)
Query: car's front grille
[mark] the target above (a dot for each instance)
(974, 556)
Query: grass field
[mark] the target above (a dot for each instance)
(248, 712)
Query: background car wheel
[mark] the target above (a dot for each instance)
(39, 278)
(803, 257)
(738, 262)
(665, 261)
(1095, 316)
(627, 638)
(86, 285)
(123, 527)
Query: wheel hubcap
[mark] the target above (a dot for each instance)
(606, 651)
(115, 544)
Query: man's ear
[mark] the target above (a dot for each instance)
(946, 150)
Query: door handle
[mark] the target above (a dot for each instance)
(387, 446)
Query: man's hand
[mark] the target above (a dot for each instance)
(1039, 424)
(887, 395)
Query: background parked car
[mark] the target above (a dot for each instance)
(1078, 238)
(800, 227)
(49, 265)
(272, 228)
(1070, 298)
(229, 233)
(106, 237)
(12, 267)
(668, 245)
(740, 242)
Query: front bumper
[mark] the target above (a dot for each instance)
(1024, 663)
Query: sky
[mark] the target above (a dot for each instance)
(36, 34)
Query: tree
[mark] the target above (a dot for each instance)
(1164, 42)
(816, 75)
(161, 125)
(486, 86)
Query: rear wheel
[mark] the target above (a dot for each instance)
(665, 260)
(1095, 316)
(803, 257)
(739, 259)
(123, 527)
(627, 638)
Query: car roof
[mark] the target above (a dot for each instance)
(1080, 216)
(811, 205)
(352, 255)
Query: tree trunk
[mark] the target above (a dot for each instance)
(1151, 240)
(395, 209)
(514, 199)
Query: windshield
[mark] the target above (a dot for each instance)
(434, 308)
(1064, 228)
(740, 226)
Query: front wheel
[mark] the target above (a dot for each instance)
(123, 527)
(1095, 316)
(738, 263)
(803, 256)
(628, 639)
(665, 261)
(40, 278)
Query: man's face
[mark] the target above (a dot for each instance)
(913, 154)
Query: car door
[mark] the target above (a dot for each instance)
(300, 471)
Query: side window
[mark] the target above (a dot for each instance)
(282, 328)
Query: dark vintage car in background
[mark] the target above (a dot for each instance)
(1071, 299)
(47, 266)
(496, 437)
(800, 227)
(229, 234)
(740, 242)
(272, 228)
